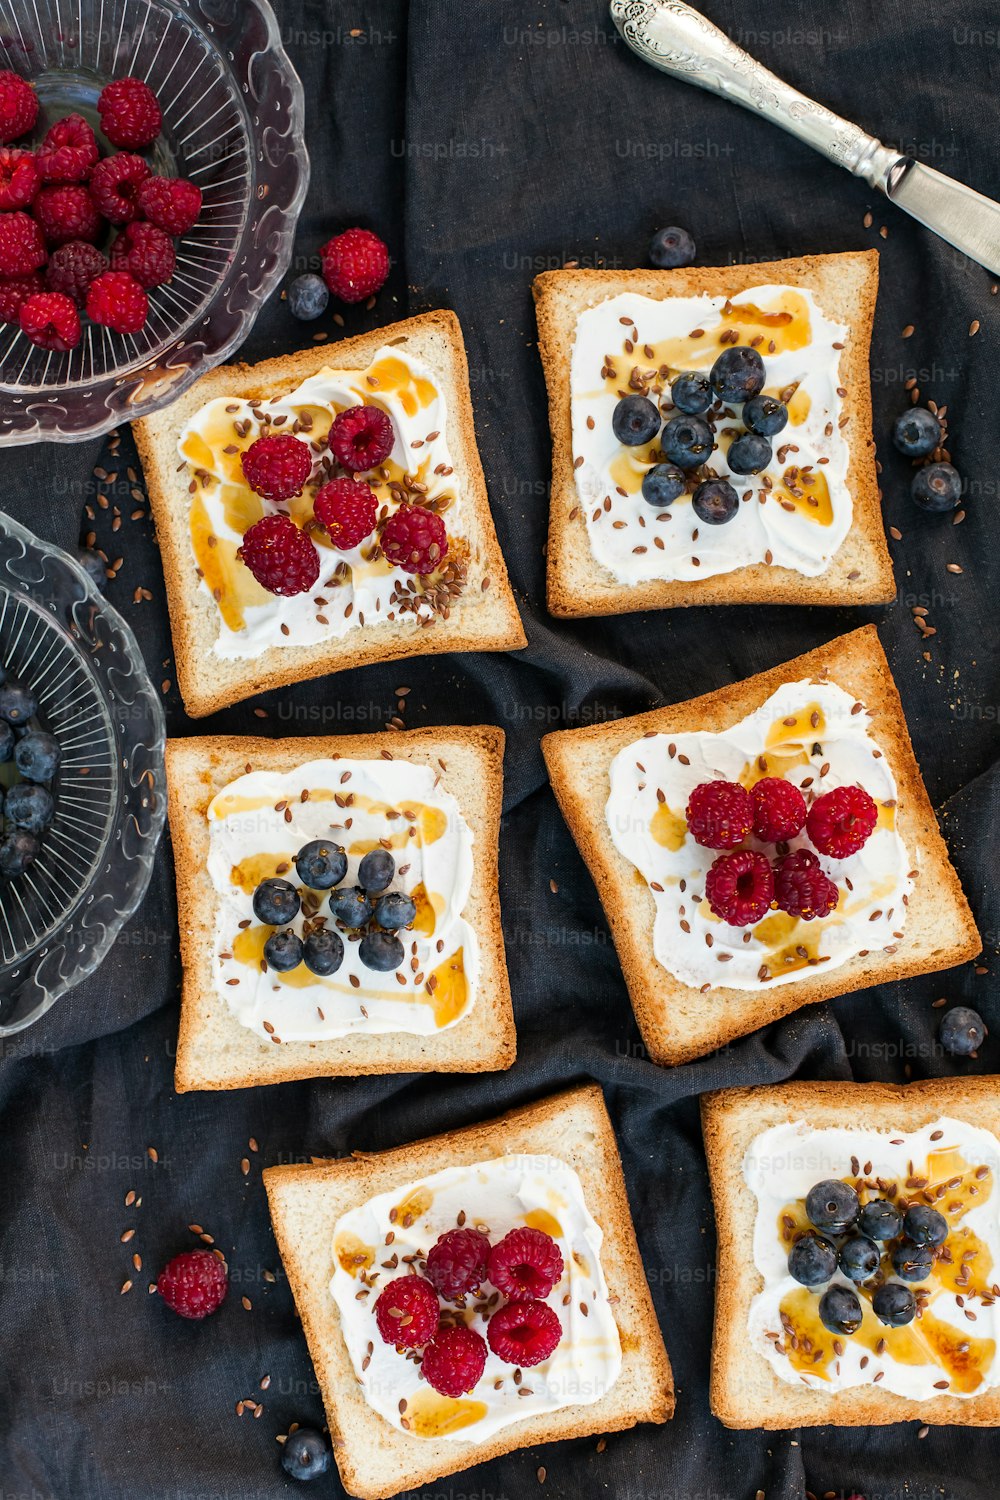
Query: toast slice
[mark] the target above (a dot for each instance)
(483, 618)
(679, 1021)
(215, 1050)
(746, 1390)
(375, 1458)
(579, 584)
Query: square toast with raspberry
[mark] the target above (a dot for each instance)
(746, 1391)
(482, 617)
(580, 584)
(216, 1050)
(679, 1020)
(377, 1459)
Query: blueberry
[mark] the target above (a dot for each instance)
(917, 432)
(840, 1310)
(832, 1205)
(376, 870)
(321, 865)
(276, 902)
(381, 951)
(283, 951)
(662, 484)
(938, 488)
(813, 1260)
(306, 1454)
(715, 502)
(687, 441)
(351, 906)
(38, 756)
(925, 1226)
(30, 807)
(94, 566)
(669, 249)
(7, 741)
(394, 911)
(738, 374)
(880, 1220)
(749, 454)
(323, 951)
(962, 1031)
(635, 421)
(17, 705)
(894, 1304)
(18, 850)
(308, 297)
(912, 1262)
(859, 1258)
(692, 393)
(765, 415)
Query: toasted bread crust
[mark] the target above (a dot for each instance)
(745, 1391)
(375, 1460)
(678, 1022)
(861, 571)
(214, 1050)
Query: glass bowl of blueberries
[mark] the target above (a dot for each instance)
(82, 789)
(152, 171)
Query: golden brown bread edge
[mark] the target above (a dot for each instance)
(744, 1390)
(677, 1022)
(578, 586)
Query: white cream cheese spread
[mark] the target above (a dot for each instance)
(372, 1245)
(356, 587)
(794, 514)
(816, 736)
(950, 1347)
(259, 822)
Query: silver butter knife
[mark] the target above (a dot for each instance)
(678, 40)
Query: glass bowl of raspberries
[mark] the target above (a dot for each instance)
(82, 791)
(152, 170)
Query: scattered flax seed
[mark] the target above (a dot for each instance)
(973, 328)
(895, 533)
(541, 1476)
(868, 221)
(244, 1166)
(907, 331)
(124, 1239)
(953, 568)
(126, 1287)
(130, 1197)
(152, 1153)
(252, 1143)
(247, 1304)
(554, 887)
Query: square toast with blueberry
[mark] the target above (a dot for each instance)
(904, 915)
(377, 1458)
(627, 528)
(216, 1050)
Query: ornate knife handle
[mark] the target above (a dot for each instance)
(678, 40)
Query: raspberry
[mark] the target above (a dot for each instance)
(171, 203)
(116, 300)
(454, 1360)
(458, 1263)
(720, 814)
(740, 887)
(526, 1263)
(361, 437)
(193, 1284)
(348, 510)
(146, 253)
(18, 177)
(779, 810)
(277, 467)
(524, 1332)
(51, 321)
(73, 267)
(22, 245)
(130, 115)
(355, 264)
(18, 106)
(840, 822)
(280, 556)
(801, 888)
(14, 293)
(67, 212)
(414, 539)
(407, 1312)
(115, 186)
(69, 151)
